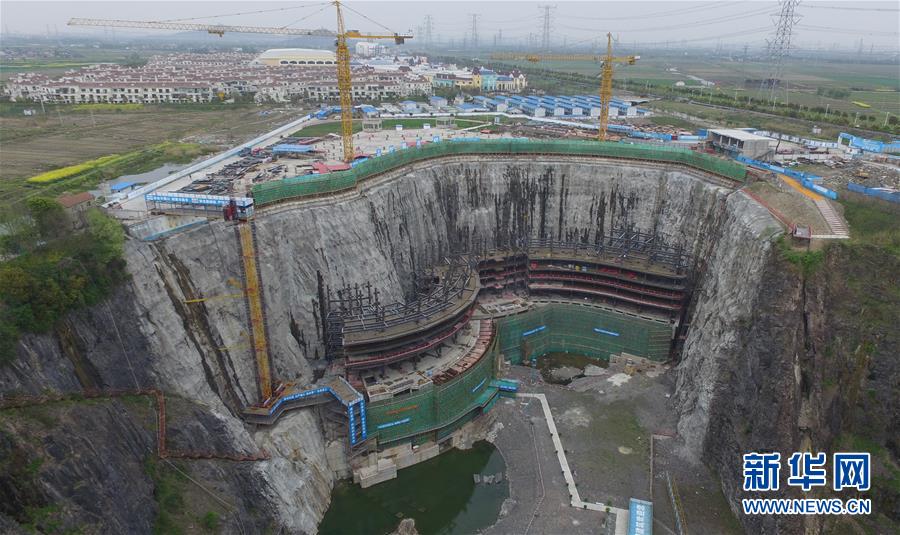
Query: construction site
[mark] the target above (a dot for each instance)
(613, 312)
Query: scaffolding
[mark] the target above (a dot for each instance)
(620, 243)
(357, 315)
(436, 407)
(255, 310)
(302, 186)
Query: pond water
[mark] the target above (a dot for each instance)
(440, 494)
(551, 361)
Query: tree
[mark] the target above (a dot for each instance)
(108, 236)
(38, 286)
(49, 216)
(134, 60)
(19, 233)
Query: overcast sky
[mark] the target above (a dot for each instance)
(574, 23)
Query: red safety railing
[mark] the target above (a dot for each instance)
(387, 358)
(594, 291)
(604, 282)
(162, 450)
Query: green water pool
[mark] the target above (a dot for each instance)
(440, 494)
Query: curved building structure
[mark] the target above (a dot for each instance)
(296, 56)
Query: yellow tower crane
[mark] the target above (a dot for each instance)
(606, 69)
(345, 85)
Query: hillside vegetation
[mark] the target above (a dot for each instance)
(52, 268)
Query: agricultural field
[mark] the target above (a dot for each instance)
(737, 118)
(69, 57)
(876, 85)
(65, 136)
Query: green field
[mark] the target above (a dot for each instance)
(75, 57)
(85, 176)
(809, 82)
(677, 122)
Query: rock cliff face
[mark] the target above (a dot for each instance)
(146, 335)
(786, 359)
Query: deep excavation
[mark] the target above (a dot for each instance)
(758, 360)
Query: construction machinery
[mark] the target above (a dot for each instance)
(341, 36)
(606, 69)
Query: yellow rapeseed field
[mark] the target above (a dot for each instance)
(72, 170)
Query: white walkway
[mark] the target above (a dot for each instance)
(838, 227)
(576, 501)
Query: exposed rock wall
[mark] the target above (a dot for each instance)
(412, 220)
(147, 335)
(727, 300)
(785, 359)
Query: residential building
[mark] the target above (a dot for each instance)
(191, 78)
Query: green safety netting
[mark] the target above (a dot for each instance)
(311, 185)
(432, 407)
(552, 328)
(583, 330)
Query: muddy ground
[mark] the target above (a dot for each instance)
(605, 423)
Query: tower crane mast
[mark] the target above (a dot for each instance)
(342, 35)
(606, 70)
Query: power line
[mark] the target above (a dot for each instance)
(842, 8)
(845, 30)
(708, 38)
(644, 16)
(717, 20)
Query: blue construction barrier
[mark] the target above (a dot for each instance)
(821, 190)
(869, 145)
(806, 179)
(887, 195)
(506, 385)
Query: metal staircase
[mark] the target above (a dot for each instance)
(254, 304)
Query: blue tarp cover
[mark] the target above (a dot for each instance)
(288, 147)
(121, 186)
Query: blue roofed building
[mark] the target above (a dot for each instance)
(119, 187)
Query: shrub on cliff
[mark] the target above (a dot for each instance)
(52, 269)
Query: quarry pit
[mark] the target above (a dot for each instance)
(392, 312)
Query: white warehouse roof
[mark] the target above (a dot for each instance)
(295, 56)
(740, 135)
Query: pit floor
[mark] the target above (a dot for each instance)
(605, 430)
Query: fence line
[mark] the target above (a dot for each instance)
(311, 185)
